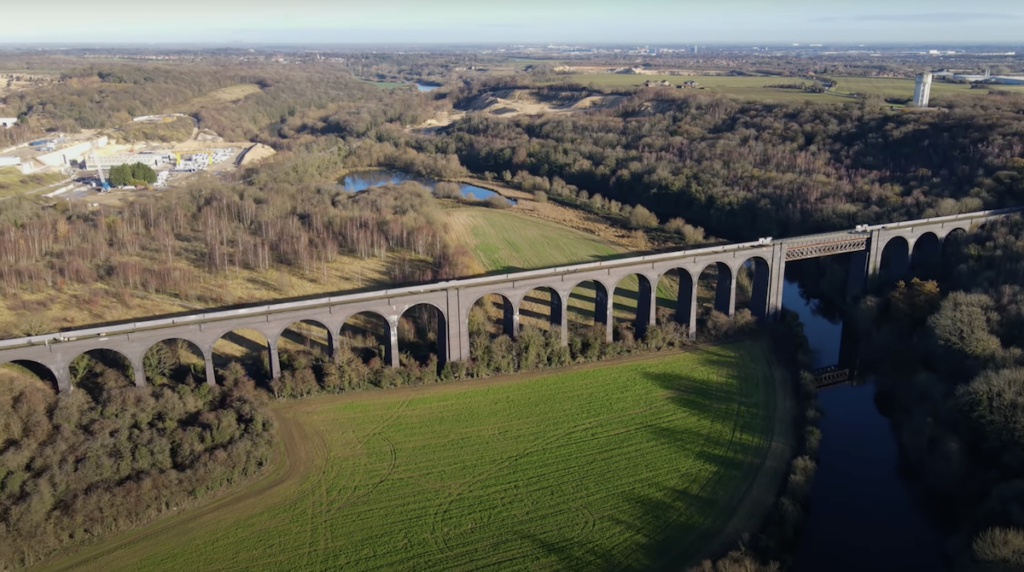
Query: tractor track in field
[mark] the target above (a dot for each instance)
(299, 452)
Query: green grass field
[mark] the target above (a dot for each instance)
(503, 240)
(753, 87)
(180, 129)
(611, 467)
(743, 87)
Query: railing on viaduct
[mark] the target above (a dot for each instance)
(454, 299)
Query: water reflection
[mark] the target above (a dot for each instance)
(362, 180)
(862, 514)
(424, 87)
(824, 335)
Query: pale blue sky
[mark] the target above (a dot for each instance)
(509, 21)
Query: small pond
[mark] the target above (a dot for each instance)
(426, 87)
(362, 180)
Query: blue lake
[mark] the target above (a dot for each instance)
(362, 180)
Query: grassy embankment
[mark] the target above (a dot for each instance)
(753, 87)
(174, 129)
(12, 182)
(624, 465)
(78, 305)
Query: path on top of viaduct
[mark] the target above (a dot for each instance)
(454, 299)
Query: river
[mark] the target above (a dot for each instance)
(862, 513)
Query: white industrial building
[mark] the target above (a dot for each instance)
(8, 122)
(151, 159)
(986, 77)
(65, 155)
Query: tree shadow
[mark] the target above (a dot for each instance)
(672, 538)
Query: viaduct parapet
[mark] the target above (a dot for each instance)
(899, 244)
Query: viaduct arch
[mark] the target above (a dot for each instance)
(454, 299)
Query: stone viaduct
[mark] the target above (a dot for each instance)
(900, 244)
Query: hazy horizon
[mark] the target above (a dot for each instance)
(451, 22)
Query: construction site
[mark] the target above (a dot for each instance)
(77, 167)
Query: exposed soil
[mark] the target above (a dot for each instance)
(513, 102)
(255, 154)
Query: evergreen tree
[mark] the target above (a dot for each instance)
(143, 173)
(119, 175)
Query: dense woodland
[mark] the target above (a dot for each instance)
(108, 96)
(951, 358)
(110, 456)
(744, 170)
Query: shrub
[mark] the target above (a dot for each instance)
(693, 235)
(674, 225)
(744, 321)
(1001, 548)
(446, 190)
(640, 217)
(497, 202)
(812, 439)
(625, 335)
(717, 324)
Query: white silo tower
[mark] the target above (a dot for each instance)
(923, 89)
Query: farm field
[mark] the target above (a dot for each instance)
(895, 87)
(753, 87)
(743, 87)
(620, 466)
(503, 240)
